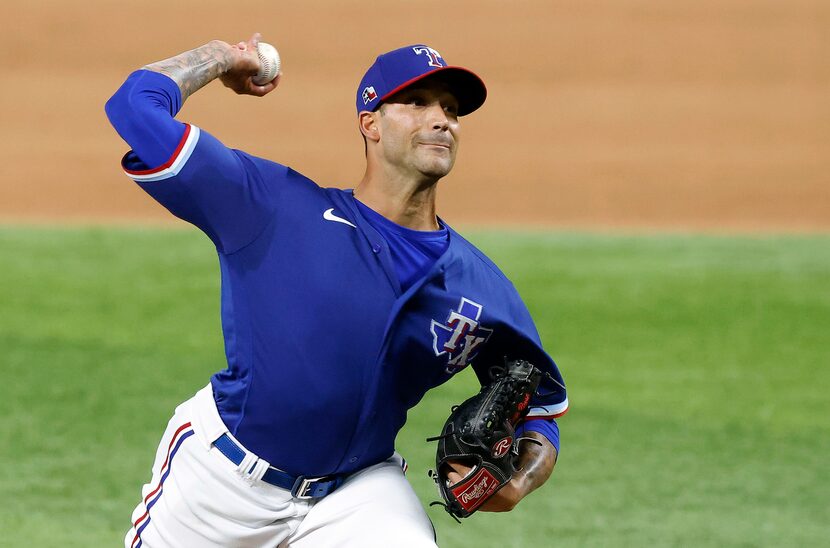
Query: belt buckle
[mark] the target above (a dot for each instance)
(303, 485)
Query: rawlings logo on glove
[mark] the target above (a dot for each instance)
(480, 433)
(477, 491)
(502, 447)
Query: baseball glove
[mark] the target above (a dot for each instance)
(480, 433)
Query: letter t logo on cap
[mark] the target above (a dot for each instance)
(434, 57)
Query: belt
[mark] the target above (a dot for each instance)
(301, 487)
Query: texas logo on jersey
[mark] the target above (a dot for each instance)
(460, 336)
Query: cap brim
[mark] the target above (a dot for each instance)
(467, 87)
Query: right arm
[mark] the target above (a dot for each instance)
(188, 171)
(233, 65)
(143, 110)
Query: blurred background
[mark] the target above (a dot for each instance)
(653, 176)
(707, 114)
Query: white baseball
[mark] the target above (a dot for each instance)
(269, 60)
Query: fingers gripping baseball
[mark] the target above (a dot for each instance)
(244, 66)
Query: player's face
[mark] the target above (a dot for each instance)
(419, 130)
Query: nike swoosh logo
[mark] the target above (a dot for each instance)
(330, 216)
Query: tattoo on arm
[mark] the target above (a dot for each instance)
(194, 69)
(537, 461)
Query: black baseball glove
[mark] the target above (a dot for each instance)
(480, 433)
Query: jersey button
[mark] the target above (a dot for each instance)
(376, 248)
(353, 459)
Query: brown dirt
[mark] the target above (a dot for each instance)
(704, 114)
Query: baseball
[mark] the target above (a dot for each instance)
(269, 60)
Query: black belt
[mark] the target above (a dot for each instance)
(301, 487)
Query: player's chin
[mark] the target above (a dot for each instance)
(437, 167)
(435, 173)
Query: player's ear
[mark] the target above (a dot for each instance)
(368, 126)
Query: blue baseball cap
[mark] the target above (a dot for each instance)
(400, 68)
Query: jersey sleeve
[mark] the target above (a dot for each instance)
(547, 427)
(551, 399)
(228, 194)
(516, 337)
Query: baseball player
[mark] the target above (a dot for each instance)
(340, 309)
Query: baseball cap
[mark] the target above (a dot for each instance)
(398, 69)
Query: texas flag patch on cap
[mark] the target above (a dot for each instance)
(369, 95)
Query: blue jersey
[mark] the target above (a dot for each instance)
(326, 350)
(413, 251)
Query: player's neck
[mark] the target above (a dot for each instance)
(409, 204)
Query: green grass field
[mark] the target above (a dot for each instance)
(697, 368)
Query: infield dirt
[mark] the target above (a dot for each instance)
(706, 114)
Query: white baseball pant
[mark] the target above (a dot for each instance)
(199, 498)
